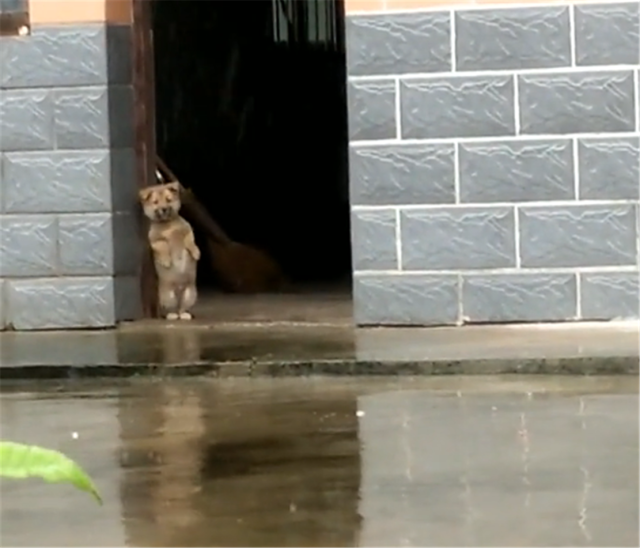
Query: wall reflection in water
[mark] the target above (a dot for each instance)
(489, 470)
(241, 463)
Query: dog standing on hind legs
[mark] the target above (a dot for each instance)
(175, 253)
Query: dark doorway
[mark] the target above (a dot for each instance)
(251, 114)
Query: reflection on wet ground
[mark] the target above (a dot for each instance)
(545, 461)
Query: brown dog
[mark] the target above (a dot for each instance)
(174, 248)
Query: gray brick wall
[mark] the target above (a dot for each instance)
(69, 249)
(495, 164)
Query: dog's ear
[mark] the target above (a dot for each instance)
(174, 187)
(145, 193)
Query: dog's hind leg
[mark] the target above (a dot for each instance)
(168, 301)
(187, 300)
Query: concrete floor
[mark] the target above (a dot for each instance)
(313, 333)
(439, 461)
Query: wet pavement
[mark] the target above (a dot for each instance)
(320, 461)
(289, 349)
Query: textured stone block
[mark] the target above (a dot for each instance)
(26, 120)
(520, 38)
(575, 236)
(372, 110)
(82, 117)
(374, 240)
(405, 300)
(94, 117)
(28, 245)
(607, 34)
(405, 174)
(1, 182)
(457, 238)
(398, 43)
(516, 171)
(58, 182)
(609, 295)
(86, 246)
(519, 297)
(609, 168)
(59, 303)
(577, 102)
(637, 82)
(433, 108)
(56, 56)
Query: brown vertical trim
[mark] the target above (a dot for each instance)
(118, 11)
(143, 83)
(15, 19)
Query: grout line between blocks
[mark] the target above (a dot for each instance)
(490, 140)
(516, 228)
(636, 78)
(397, 111)
(492, 205)
(456, 172)
(516, 103)
(572, 35)
(578, 297)
(526, 271)
(638, 241)
(398, 241)
(576, 169)
(552, 71)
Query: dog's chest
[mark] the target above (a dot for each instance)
(180, 260)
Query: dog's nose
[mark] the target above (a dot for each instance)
(165, 211)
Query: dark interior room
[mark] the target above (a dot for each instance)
(251, 116)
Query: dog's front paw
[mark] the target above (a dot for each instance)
(185, 316)
(195, 253)
(164, 262)
(172, 316)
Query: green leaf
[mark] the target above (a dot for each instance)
(18, 460)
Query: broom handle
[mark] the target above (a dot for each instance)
(195, 209)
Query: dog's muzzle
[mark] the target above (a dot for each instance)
(164, 213)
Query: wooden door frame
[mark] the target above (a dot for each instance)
(145, 137)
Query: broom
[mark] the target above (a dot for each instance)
(240, 268)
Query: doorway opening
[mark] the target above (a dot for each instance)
(250, 101)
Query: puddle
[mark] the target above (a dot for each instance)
(542, 461)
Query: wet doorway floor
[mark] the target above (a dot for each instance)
(318, 304)
(464, 461)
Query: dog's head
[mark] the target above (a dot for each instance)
(161, 202)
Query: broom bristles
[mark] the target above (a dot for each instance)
(245, 269)
(240, 268)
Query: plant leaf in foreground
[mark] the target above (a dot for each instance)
(18, 460)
